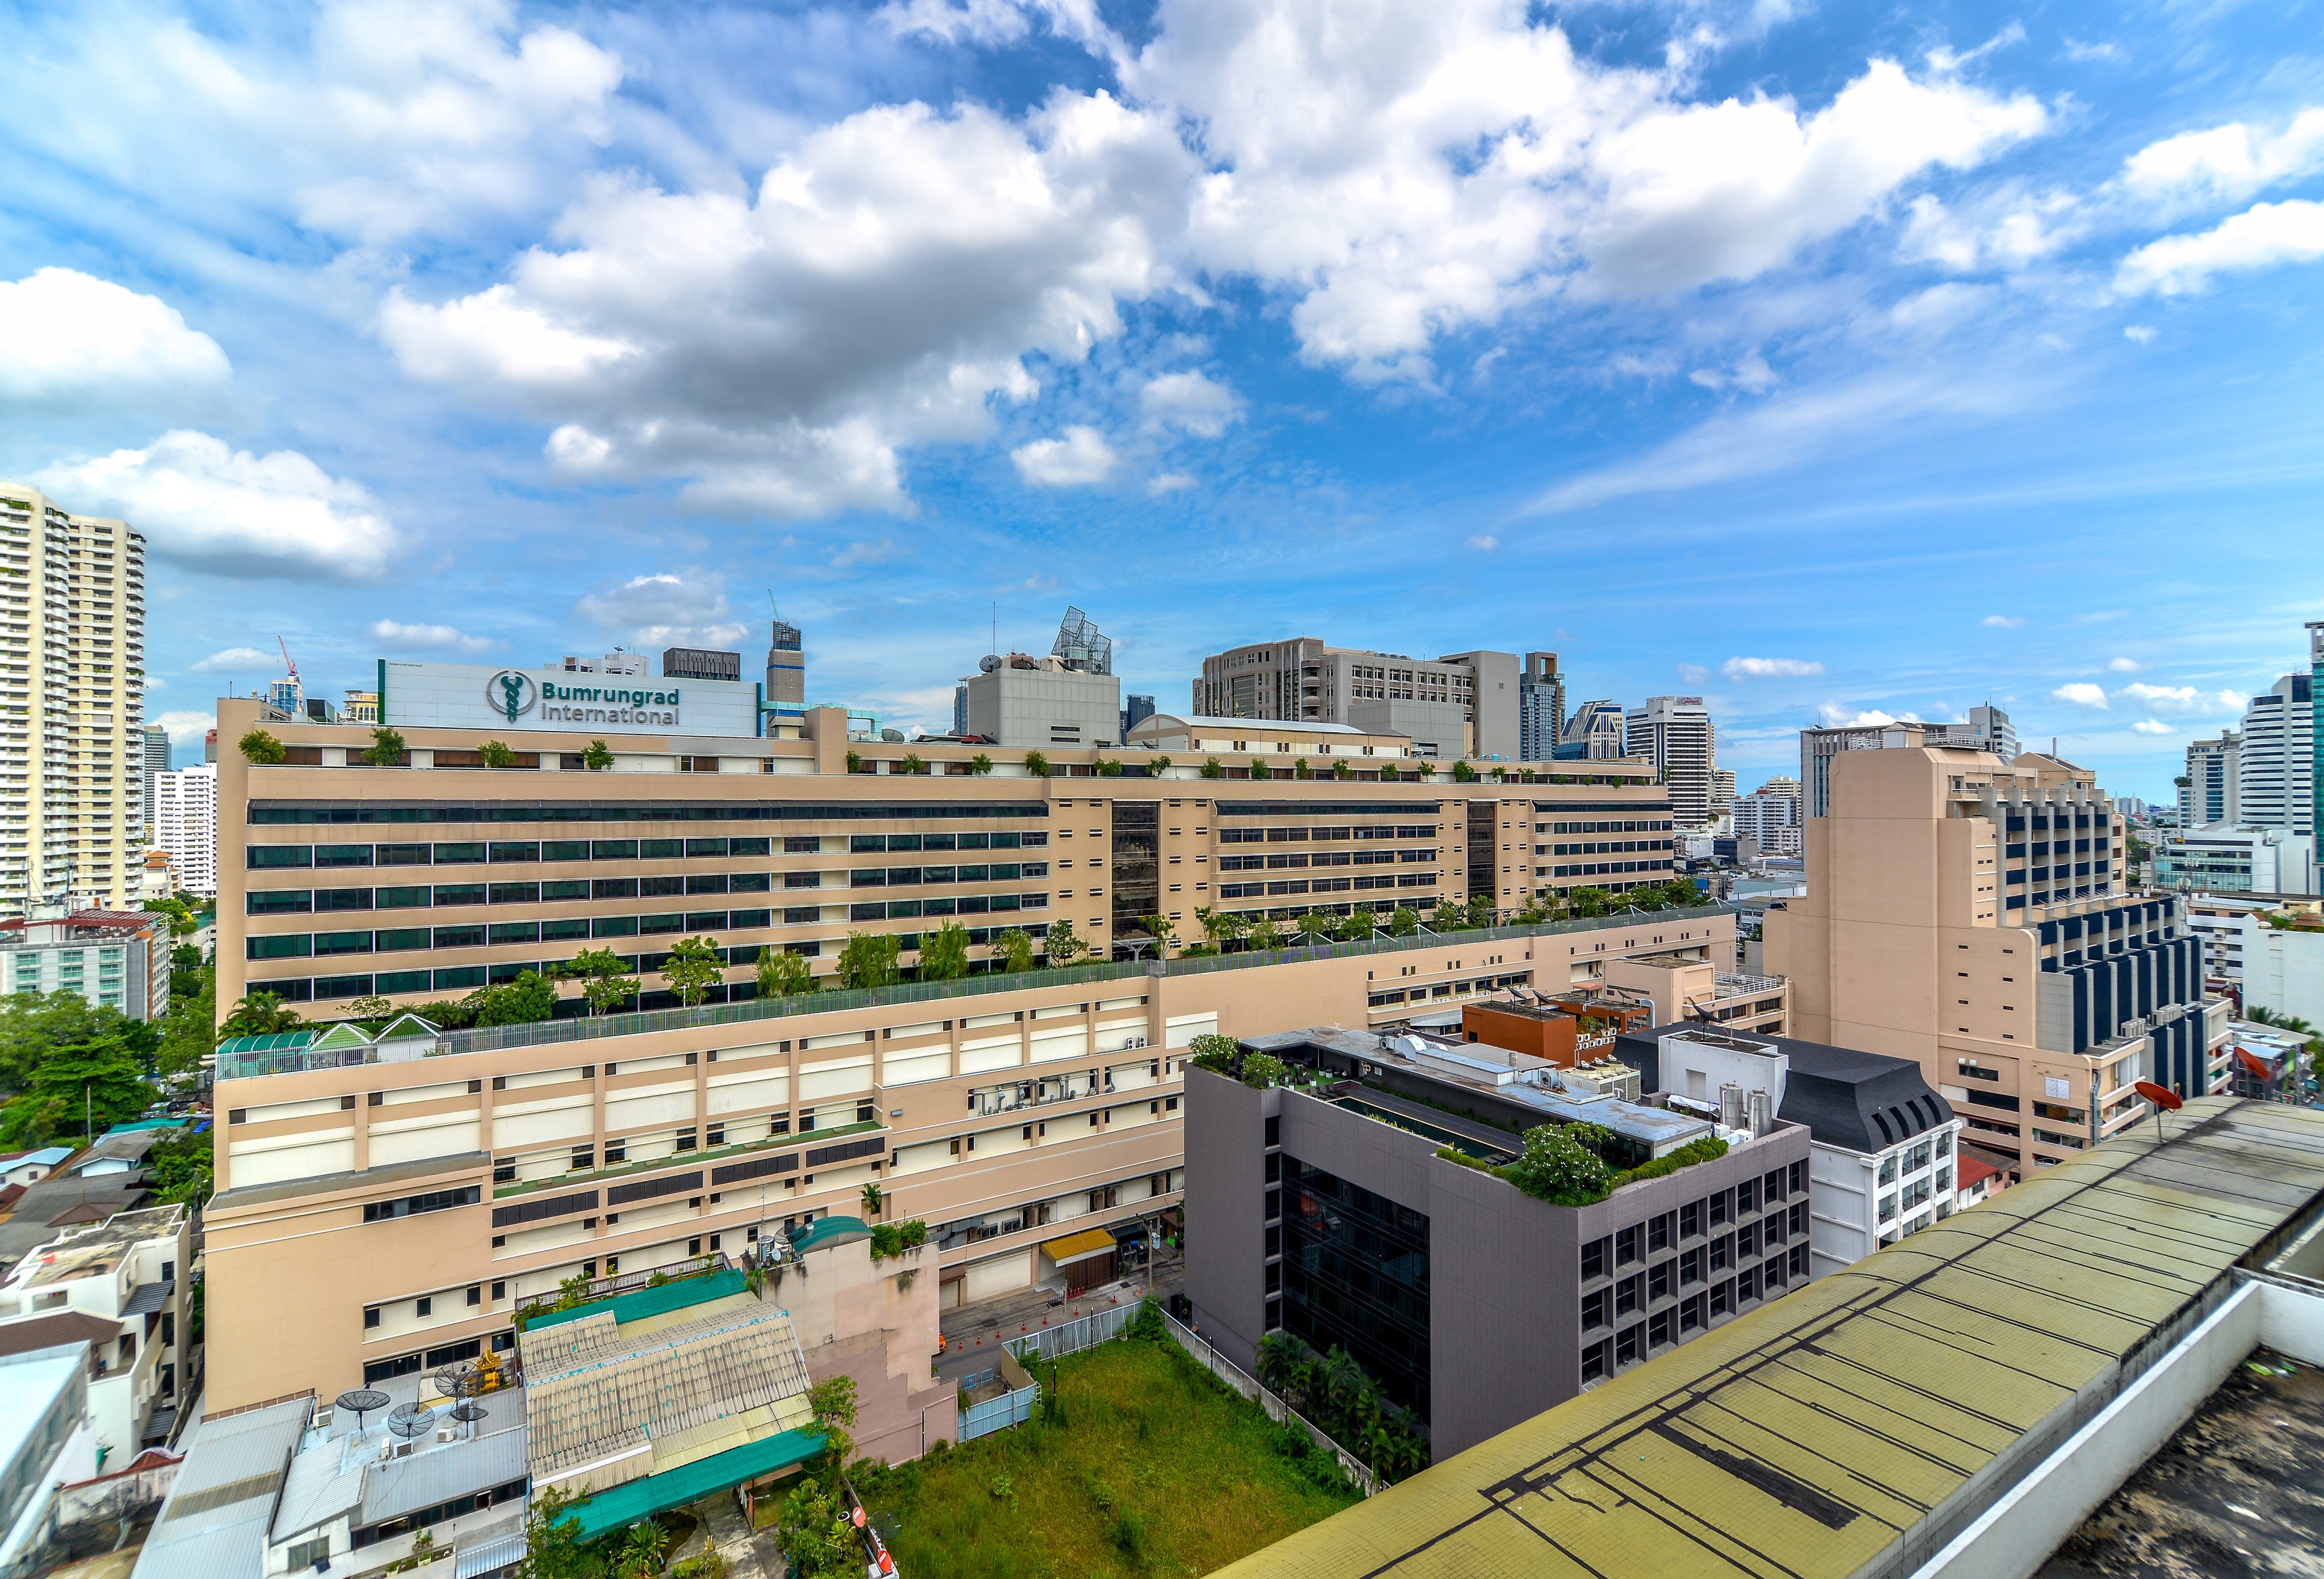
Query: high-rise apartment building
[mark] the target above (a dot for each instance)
(1722, 793)
(1975, 915)
(1594, 734)
(700, 663)
(1769, 817)
(186, 825)
(157, 762)
(1541, 708)
(1013, 1116)
(1675, 734)
(2212, 789)
(1305, 680)
(2276, 782)
(72, 748)
(1987, 728)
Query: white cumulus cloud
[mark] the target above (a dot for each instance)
(2081, 694)
(72, 338)
(1769, 668)
(1082, 456)
(233, 661)
(2182, 700)
(204, 504)
(1836, 716)
(403, 637)
(1190, 400)
(2227, 162)
(2124, 665)
(2003, 622)
(2261, 235)
(669, 608)
(2151, 726)
(185, 727)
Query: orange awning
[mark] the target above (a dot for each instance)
(1078, 1247)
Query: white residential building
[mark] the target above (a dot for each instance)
(1676, 733)
(1987, 728)
(2276, 787)
(157, 762)
(2212, 787)
(1883, 1146)
(120, 1285)
(2217, 919)
(186, 825)
(2283, 966)
(1769, 817)
(114, 959)
(72, 745)
(46, 1438)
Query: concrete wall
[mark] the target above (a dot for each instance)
(1226, 1231)
(2282, 971)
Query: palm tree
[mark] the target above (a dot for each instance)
(642, 1552)
(872, 1199)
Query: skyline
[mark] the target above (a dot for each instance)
(1814, 365)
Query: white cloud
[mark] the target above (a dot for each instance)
(1082, 456)
(233, 513)
(72, 338)
(2182, 700)
(1169, 482)
(1751, 374)
(1484, 542)
(680, 608)
(403, 638)
(186, 728)
(2150, 727)
(2081, 694)
(1769, 668)
(387, 118)
(1836, 716)
(1190, 400)
(2138, 334)
(2003, 622)
(2227, 162)
(2261, 235)
(878, 289)
(234, 660)
(2008, 232)
(2124, 665)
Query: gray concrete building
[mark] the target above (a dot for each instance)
(1987, 728)
(1328, 1212)
(1306, 680)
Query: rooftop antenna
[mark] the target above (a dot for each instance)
(363, 1400)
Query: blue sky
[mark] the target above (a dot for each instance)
(1820, 362)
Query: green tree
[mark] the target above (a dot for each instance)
(1462, 774)
(1108, 767)
(259, 1014)
(872, 1199)
(187, 1034)
(1214, 768)
(978, 765)
(642, 1551)
(1266, 936)
(526, 1000)
(184, 1166)
(1355, 927)
(1300, 769)
(1158, 929)
(1037, 764)
(1404, 922)
(944, 953)
(1315, 926)
(869, 960)
(260, 747)
(29, 1121)
(386, 749)
(1063, 944)
(598, 757)
(605, 982)
(1587, 902)
(181, 915)
(694, 966)
(1263, 1070)
(815, 1535)
(98, 1077)
(1559, 1168)
(552, 1539)
(496, 753)
(1214, 1052)
(913, 762)
(1156, 765)
(833, 1405)
(1424, 770)
(1260, 768)
(1344, 770)
(1013, 948)
(782, 974)
(855, 762)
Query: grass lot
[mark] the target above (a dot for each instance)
(1156, 1469)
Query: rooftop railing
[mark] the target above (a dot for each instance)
(258, 1062)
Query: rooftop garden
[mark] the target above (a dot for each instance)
(1564, 1164)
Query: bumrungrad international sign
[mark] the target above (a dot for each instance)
(466, 696)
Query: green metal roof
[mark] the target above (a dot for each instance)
(640, 1304)
(625, 1504)
(829, 1231)
(274, 1042)
(1841, 1425)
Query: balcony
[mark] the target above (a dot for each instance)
(1023, 1095)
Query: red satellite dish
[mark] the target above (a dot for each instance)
(2259, 1070)
(2160, 1097)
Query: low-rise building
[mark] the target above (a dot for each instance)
(2228, 858)
(1235, 741)
(46, 1437)
(2284, 962)
(114, 959)
(185, 824)
(119, 1286)
(1883, 1144)
(30, 1167)
(1691, 984)
(1330, 1209)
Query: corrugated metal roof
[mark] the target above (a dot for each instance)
(148, 1299)
(276, 1041)
(1845, 1422)
(215, 1520)
(440, 1472)
(675, 1294)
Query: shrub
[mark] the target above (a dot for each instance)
(260, 747)
(1214, 1052)
(1342, 769)
(978, 765)
(1130, 1535)
(1109, 768)
(855, 762)
(1214, 768)
(914, 1233)
(1155, 766)
(1147, 1326)
(886, 1241)
(598, 757)
(912, 763)
(1260, 768)
(1036, 763)
(1263, 1070)
(496, 753)
(387, 748)
(1558, 1169)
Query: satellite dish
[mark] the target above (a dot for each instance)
(458, 1382)
(411, 1421)
(362, 1402)
(2258, 1070)
(988, 663)
(2162, 1096)
(467, 1413)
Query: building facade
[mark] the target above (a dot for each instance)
(1594, 734)
(1332, 1217)
(2275, 783)
(786, 666)
(2212, 787)
(1987, 729)
(1541, 708)
(1769, 817)
(186, 825)
(1039, 704)
(156, 763)
(1973, 916)
(122, 1286)
(1675, 734)
(1882, 1145)
(2236, 858)
(72, 748)
(1304, 679)
(112, 959)
(2284, 964)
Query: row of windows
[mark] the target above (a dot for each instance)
(1697, 1264)
(968, 905)
(907, 876)
(300, 902)
(1251, 890)
(1626, 826)
(1326, 836)
(298, 812)
(1299, 858)
(1603, 847)
(1599, 868)
(478, 852)
(870, 844)
(1697, 1311)
(1692, 1220)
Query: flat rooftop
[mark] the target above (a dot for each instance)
(1861, 1422)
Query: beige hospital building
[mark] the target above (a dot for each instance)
(384, 1204)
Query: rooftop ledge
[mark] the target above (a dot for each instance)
(257, 1063)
